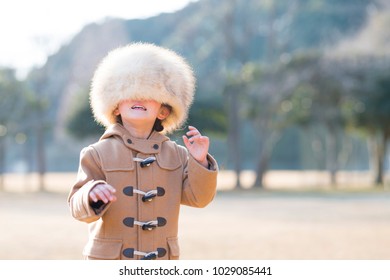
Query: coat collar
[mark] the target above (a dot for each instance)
(152, 145)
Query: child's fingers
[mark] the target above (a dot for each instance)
(103, 192)
(109, 191)
(110, 188)
(198, 139)
(194, 138)
(93, 196)
(194, 134)
(100, 194)
(204, 139)
(186, 141)
(193, 131)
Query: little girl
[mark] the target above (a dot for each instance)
(131, 183)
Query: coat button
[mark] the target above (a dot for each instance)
(155, 146)
(129, 141)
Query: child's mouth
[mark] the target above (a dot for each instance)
(138, 107)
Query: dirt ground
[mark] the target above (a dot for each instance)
(250, 224)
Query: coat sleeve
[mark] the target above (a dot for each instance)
(199, 183)
(89, 175)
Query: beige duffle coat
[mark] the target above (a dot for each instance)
(143, 221)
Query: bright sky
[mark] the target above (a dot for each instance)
(31, 29)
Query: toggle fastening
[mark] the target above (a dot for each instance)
(150, 225)
(145, 162)
(149, 196)
(159, 253)
(146, 196)
(150, 256)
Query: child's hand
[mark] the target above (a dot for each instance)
(103, 192)
(197, 145)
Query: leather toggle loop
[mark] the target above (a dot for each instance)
(161, 221)
(129, 191)
(160, 191)
(161, 252)
(128, 221)
(128, 253)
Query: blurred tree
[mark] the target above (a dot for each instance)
(239, 29)
(264, 106)
(81, 123)
(12, 100)
(347, 93)
(318, 101)
(40, 122)
(281, 77)
(369, 105)
(208, 115)
(263, 111)
(311, 95)
(232, 92)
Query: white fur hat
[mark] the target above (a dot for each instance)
(143, 71)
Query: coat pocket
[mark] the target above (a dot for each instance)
(173, 248)
(105, 249)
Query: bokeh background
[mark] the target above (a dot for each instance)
(295, 96)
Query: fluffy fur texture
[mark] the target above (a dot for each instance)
(143, 71)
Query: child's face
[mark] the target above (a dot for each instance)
(145, 111)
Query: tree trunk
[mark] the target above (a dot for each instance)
(234, 136)
(262, 168)
(331, 159)
(232, 95)
(41, 159)
(271, 138)
(377, 144)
